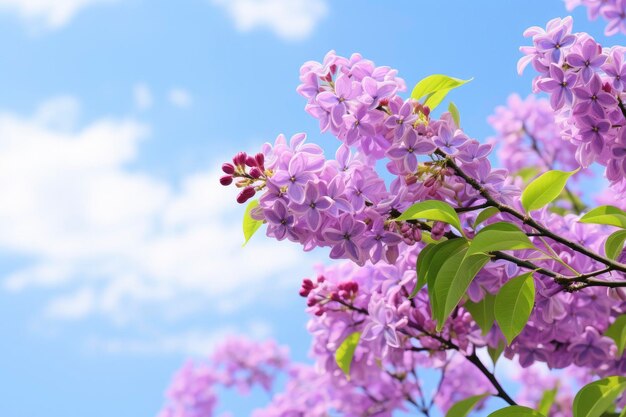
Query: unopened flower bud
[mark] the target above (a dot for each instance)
(250, 161)
(228, 169)
(245, 194)
(226, 180)
(240, 159)
(429, 182)
(255, 173)
(260, 160)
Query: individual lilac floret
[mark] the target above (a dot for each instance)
(559, 85)
(591, 99)
(473, 151)
(448, 140)
(588, 60)
(295, 177)
(358, 125)
(383, 324)
(374, 91)
(401, 119)
(591, 349)
(554, 41)
(313, 205)
(280, 220)
(343, 238)
(615, 12)
(592, 131)
(411, 146)
(378, 238)
(616, 70)
(335, 101)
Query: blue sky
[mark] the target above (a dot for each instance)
(119, 252)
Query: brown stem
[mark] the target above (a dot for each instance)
(534, 143)
(525, 219)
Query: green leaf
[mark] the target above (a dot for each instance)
(617, 332)
(544, 189)
(452, 282)
(513, 305)
(432, 210)
(596, 398)
(434, 83)
(516, 411)
(454, 112)
(609, 215)
(250, 225)
(494, 353)
(485, 214)
(615, 244)
(442, 253)
(423, 262)
(345, 352)
(547, 400)
(463, 407)
(499, 236)
(483, 312)
(435, 88)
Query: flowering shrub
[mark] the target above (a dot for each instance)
(447, 263)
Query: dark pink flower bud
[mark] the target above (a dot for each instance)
(226, 180)
(260, 160)
(240, 159)
(228, 169)
(410, 179)
(255, 173)
(429, 182)
(250, 161)
(245, 194)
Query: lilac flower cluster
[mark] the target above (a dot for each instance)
(237, 363)
(527, 136)
(585, 83)
(344, 204)
(613, 11)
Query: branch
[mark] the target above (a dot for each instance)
(528, 220)
(535, 146)
(473, 358)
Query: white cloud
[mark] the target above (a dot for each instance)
(50, 14)
(142, 96)
(289, 19)
(180, 97)
(116, 242)
(193, 342)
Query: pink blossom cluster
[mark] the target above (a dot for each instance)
(585, 82)
(346, 205)
(613, 11)
(527, 136)
(237, 363)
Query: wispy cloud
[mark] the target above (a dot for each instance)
(49, 14)
(192, 342)
(117, 242)
(289, 19)
(179, 97)
(142, 96)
